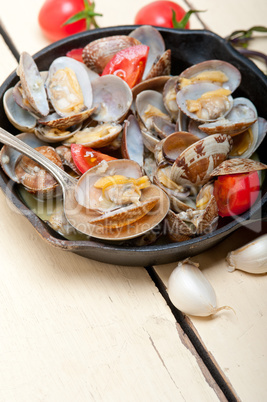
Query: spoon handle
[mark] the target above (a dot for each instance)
(64, 179)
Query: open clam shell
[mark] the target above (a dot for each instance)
(116, 224)
(203, 72)
(169, 93)
(242, 115)
(151, 37)
(132, 146)
(238, 165)
(162, 66)
(18, 117)
(54, 134)
(22, 169)
(96, 137)
(212, 107)
(33, 84)
(195, 163)
(149, 104)
(112, 98)
(176, 143)
(69, 87)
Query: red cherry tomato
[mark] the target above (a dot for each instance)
(236, 193)
(128, 64)
(76, 54)
(54, 13)
(85, 158)
(159, 13)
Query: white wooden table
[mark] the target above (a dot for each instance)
(73, 329)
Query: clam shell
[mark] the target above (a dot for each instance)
(33, 84)
(242, 115)
(169, 96)
(176, 229)
(35, 178)
(132, 146)
(125, 216)
(151, 37)
(238, 165)
(53, 135)
(60, 96)
(55, 121)
(96, 137)
(176, 143)
(155, 84)
(18, 117)
(9, 156)
(150, 98)
(195, 163)
(161, 66)
(150, 195)
(112, 99)
(233, 74)
(194, 92)
(86, 183)
(98, 53)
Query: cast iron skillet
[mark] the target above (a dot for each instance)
(188, 47)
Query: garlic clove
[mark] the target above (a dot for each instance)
(191, 292)
(250, 258)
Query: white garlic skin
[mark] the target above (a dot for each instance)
(190, 291)
(250, 258)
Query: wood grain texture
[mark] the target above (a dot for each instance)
(237, 338)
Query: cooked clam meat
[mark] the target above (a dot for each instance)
(122, 190)
(215, 76)
(66, 92)
(211, 105)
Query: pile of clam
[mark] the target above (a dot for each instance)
(169, 132)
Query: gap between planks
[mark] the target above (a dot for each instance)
(191, 339)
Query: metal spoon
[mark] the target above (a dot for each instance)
(78, 216)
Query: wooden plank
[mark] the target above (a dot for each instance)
(236, 339)
(74, 328)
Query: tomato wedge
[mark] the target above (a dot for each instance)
(236, 193)
(76, 54)
(85, 157)
(128, 64)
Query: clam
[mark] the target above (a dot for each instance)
(96, 137)
(112, 99)
(204, 101)
(169, 96)
(242, 115)
(32, 85)
(195, 164)
(19, 117)
(162, 66)
(67, 160)
(176, 143)
(179, 195)
(32, 176)
(189, 223)
(116, 195)
(69, 88)
(149, 104)
(237, 165)
(218, 72)
(98, 53)
(132, 146)
(55, 134)
(149, 36)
